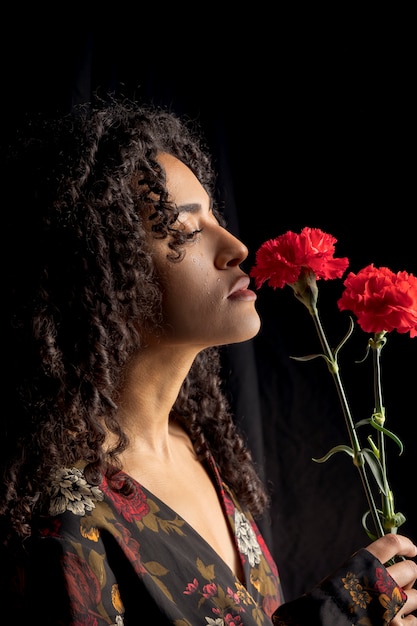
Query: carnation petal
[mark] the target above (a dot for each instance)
(280, 261)
(381, 300)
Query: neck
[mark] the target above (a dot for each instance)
(150, 388)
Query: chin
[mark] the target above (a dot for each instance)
(245, 332)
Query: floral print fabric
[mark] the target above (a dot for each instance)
(360, 592)
(104, 558)
(101, 558)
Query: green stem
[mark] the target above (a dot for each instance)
(379, 416)
(357, 458)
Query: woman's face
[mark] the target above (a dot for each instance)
(206, 300)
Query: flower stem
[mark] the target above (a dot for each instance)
(379, 415)
(354, 440)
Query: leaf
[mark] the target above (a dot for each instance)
(309, 357)
(331, 363)
(205, 570)
(374, 447)
(375, 467)
(341, 448)
(155, 568)
(364, 524)
(346, 337)
(364, 422)
(96, 562)
(366, 355)
(399, 519)
(388, 433)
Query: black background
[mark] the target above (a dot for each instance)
(310, 117)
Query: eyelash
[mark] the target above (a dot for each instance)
(193, 233)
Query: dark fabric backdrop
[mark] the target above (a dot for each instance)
(311, 122)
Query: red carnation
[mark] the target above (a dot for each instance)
(280, 261)
(381, 300)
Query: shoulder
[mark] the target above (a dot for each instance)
(72, 502)
(69, 491)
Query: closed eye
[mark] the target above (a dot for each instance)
(194, 233)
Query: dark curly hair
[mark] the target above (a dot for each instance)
(82, 290)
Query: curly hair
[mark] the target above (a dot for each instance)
(84, 288)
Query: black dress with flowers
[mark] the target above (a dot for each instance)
(101, 558)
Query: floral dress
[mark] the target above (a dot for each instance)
(102, 558)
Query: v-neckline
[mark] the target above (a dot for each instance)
(219, 490)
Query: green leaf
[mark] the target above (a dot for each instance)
(365, 525)
(346, 337)
(366, 355)
(341, 448)
(388, 433)
(309, 357)
(364, 422)
(399, 519)
(375, 467)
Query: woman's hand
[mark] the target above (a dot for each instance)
(404, 572)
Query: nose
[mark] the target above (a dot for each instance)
(231, 252)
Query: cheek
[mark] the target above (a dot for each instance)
(189, 289)
(190, 274)
(202, 286)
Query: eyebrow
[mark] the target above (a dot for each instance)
(193, 207)
(189, 208)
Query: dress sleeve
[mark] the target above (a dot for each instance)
(360, 592)
(57, 586)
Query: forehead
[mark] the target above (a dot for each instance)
(182, 184)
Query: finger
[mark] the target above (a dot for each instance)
(407, 616)
(410, 605)
(404, 620)
(404, 573)
(391, 545)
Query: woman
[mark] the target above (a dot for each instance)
(129, 496)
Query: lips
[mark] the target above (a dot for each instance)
(240, 285)
(240, 289)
